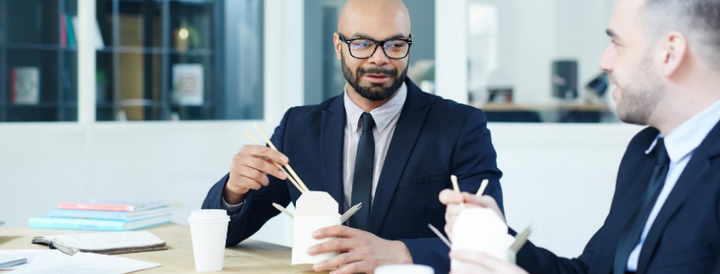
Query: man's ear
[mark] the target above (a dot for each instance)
(338, 46)
(673, 51)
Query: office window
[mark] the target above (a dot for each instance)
(38, 64)
(179, 60)
(536, 61)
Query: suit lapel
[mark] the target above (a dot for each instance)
(331, 149)
(632, 182)
(403, 141)
(693, 174)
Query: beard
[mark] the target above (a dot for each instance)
(374, 92)
(641, 96)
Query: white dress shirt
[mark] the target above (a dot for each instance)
(386, 118)
(680, 145)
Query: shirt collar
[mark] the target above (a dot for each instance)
(382, 115)
(689, 135)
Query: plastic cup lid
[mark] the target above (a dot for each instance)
(209, 215)
(405, 268)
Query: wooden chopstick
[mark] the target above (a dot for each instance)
(302, 190)
(299, 181)
(350, 212)
(283, 210)
(521, 239)
(483, 185)
(440, 235)
(453, 178)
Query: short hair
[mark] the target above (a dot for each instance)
(698, 20)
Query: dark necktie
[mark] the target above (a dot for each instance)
(363, 175)
(630, 236)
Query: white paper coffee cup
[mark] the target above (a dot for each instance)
(208, 228)
(404, 269)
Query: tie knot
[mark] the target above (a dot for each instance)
(661, 152)
(368, 122)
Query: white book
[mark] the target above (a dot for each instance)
(96, 35)
(25, 85)
(188, 84)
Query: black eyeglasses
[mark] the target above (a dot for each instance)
(363, 48)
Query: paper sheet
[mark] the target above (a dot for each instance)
(54, 261)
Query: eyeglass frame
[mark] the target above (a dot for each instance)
(377, 44)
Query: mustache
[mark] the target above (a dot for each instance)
(379, 71)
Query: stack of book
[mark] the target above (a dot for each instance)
(105, 216)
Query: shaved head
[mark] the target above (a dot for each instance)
(375, 14)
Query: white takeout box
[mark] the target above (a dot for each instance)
(482, 230)
(313, 210)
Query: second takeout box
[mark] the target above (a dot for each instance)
(314, 210)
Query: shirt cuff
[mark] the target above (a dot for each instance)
(232, 209)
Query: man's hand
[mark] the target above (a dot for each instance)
(481, 263)
(453, 199)
(360, 251)
(249, 170)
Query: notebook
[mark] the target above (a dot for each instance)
(107, 242)
(112, 205)
(111, 215)
(47, 222)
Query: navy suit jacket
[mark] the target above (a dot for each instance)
(685, 237)
(434, 139)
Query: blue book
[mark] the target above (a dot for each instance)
(111, 215)
(48, 222)
(70, 30)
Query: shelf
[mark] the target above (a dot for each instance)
(41, 105)
(40, 47)
(142, 50)
(195, 52)
(130, 103)
(542, 107)
(179, 1)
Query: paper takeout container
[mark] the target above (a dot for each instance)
(482, 230)
(313, 210)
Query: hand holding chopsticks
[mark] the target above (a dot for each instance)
(296, 181)
(252, 165)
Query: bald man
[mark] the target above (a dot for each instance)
(383, 142)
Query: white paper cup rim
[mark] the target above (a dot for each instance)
(208, 221)
(405, 268)
(208, 216)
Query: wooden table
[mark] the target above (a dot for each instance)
(249, 257)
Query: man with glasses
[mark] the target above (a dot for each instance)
(383, 143)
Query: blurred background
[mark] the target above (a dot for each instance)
(149, 99)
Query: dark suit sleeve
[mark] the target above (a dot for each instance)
(539, 260)
(258, 207)
(431, 252)
(473, 160)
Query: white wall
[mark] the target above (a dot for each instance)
(535, 33)
(558, 177)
